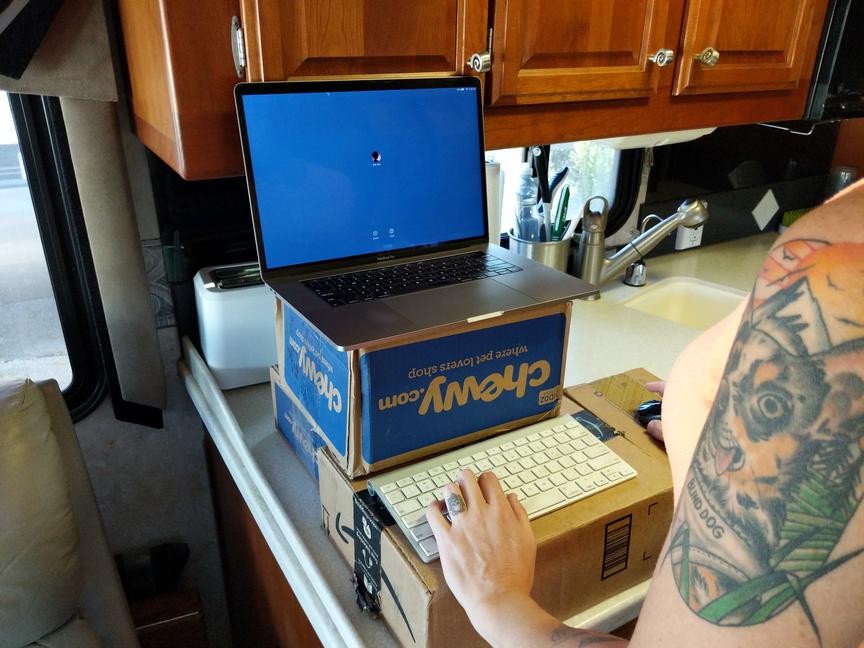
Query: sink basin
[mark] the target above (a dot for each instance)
(691, 302)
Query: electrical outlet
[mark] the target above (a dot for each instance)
(688, 237)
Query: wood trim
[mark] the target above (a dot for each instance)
(264, 610)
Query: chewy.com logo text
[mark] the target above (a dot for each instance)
(319, 379)
(440, 395)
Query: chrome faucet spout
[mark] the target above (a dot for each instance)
(596, 268)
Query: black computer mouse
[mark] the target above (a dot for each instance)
(648, 411)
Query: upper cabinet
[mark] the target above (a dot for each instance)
(575, 50)
(553, 70)
(746, 45)
(318, 38)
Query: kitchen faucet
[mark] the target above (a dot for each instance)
(592, 263)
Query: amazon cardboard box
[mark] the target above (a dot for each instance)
(587, 551)
(381, 407)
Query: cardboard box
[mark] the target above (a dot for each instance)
(384, 406)
(294, 423)
(587, 551)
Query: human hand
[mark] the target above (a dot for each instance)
(655, 428)
(487, 551)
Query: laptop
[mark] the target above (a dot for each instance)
(368, 201)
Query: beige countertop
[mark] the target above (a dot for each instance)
(608, 338)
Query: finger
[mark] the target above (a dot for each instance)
(656, 386)
(454, 501)
(655, 429)
(437, 522)
(518, 510)
(490, 486)
(470, 489)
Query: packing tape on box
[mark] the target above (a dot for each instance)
(370, 518)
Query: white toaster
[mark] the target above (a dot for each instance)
(236, 323)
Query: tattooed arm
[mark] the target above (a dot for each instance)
(767, 542)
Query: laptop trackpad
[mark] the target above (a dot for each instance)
(457, 303)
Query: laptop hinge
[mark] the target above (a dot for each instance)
(238, 47)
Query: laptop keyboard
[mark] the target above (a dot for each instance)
(353, 287)
(548, 465)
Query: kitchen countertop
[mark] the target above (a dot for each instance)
(605, 338)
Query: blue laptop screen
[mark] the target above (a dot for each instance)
(346, 173)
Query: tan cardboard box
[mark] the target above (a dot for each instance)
(381, 407)
(587, 552)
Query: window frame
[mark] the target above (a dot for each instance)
(50, 178)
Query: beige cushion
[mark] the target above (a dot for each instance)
(75, 634)
(40, 573)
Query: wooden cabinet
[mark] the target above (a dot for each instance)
(561, 69)
(759, 45)
(574, 50)
(319, 38)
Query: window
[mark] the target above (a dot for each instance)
(31, 337)
(594, 169)
(51, 321)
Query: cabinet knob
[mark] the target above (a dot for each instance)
(662, 57)
(709, 56)
(480, 61)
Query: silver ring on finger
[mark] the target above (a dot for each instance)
(455, 504)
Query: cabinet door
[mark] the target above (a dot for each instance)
(762, 44)
(569, 50)
(321, 38)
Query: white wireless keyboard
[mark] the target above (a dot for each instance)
(548, 465)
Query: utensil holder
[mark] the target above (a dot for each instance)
(554, 254)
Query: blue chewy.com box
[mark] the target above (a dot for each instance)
(301, 432)
(380, 407)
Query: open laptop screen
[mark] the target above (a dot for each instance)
(344, 173)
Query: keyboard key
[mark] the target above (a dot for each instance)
(529, 490)
(595, 451)
(437, 470)
(540, 472)
(571, 490)
(578, 445)
(413, 519)
(404, 482)
(395, 496)
(429, 547)
(579, 457)
(454, 475)
(586, 483)
(537, 446)
(603, 462)
(571, 424)
(524, 451)
(483, 465)
(567, 462)
(550, 443)
(514, 468)
(547, 433)
(571, 474)
(411, 491)
(584, 469)
(557, 479)
(493, 451)
(426, 499)
(426, 485)
(541, 458)
(438, 494)
(421, 532)
(420, 476)
(480, 455)
(590, 440)
(566, 448)
(611, 474)
(533, 437)
(542, 501)
(387, 488)
(408, 506)
(499, 460)
(543, 484)
(500, 472)
(561, 437)
(451, 465)
(441, 480)
(527, 476)
(527, 463)
(465, 461)
(553, 453)
(507, 446)
(600, 480)
(554, 466)
(511, 455)
(520, 442)
(626, 470)
(512, 481)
